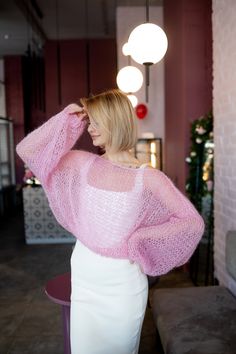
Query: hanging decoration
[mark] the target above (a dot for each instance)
(141, 111)
(199, 187)
(200, 160)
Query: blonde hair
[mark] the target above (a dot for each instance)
(114, 113)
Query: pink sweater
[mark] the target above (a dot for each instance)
(116, 211)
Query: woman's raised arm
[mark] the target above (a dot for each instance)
(43, 148)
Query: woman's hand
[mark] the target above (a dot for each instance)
(73, 108)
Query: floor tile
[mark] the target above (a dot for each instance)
(37, 345)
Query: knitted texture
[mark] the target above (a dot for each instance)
(115, 211)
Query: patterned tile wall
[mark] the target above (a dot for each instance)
(40, 223)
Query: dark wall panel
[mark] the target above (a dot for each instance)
(102, 64)
(15, 105)
(73, 70)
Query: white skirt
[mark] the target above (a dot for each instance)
(108, 303)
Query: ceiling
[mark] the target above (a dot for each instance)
(34, 21)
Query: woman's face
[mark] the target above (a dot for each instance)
(98, 135)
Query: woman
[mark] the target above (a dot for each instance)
(129, 219)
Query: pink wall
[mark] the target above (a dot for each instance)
(188, 78)
(102, 64)
(86, 66)
(73, 73)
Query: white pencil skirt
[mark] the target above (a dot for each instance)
(108, 303)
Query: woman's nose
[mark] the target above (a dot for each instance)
(90, 128)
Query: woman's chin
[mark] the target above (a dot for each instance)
(96, 143)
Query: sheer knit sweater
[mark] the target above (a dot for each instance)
(115, 211)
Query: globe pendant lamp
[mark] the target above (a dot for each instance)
(129, 79)
(126, 50)
(133, 99)
(147, 45)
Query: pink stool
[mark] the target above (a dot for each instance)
(58, 290)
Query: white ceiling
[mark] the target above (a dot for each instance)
(75, 19)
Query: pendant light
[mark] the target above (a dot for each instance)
(133, 99)
(126, 50)
(147, 44)
(129, 79)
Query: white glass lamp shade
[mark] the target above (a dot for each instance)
(147, 43)
(125, 49)
(133, 99)
(129, 79)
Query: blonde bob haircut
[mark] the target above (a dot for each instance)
(113, 112)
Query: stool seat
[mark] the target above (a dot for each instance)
(58, 289)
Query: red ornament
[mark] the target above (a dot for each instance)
(141, 110)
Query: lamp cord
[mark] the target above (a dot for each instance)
(147, 10)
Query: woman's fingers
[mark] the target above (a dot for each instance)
(84, 116)
(74, 108)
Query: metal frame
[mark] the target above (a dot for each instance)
(149, 141)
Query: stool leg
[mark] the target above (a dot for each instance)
(66, 328)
